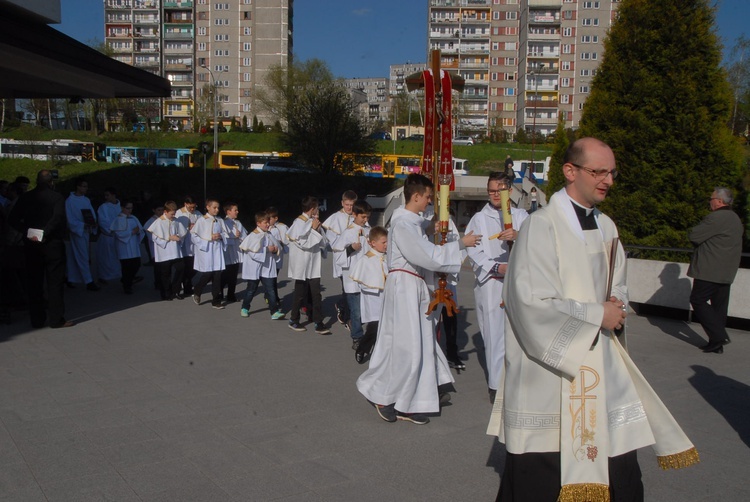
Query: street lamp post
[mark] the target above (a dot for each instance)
(533, 123)
(216, 122)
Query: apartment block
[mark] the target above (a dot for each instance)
(526, 62)
(376, 91)
(181, 40)
(399, 72)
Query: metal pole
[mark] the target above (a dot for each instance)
(533, 126)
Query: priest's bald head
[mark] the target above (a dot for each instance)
(590, 170)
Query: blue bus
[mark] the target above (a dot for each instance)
(174, 157)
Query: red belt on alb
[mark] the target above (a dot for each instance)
(406, 271)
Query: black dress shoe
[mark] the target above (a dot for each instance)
(65, 324)
(716, 347)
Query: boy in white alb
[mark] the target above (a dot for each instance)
(307, 243)
(158, 209)
(232, 255)
(167, 234)
(370, 273)
(259, 251)
(353, 243)
(279, 231)
(128, 235)
(209, 236)
(334, 226)
(188, 215)
(407, 364)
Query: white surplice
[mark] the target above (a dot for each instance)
(187, 219)
(488, 286)
(370, 274)
(164, 248)
(209, 253)
(306, 247)
(353, 233)
(279, 231)
(107, 262)
(257, 260)
(127, 243)
(407, 364)
(236, 233)
(334, 226)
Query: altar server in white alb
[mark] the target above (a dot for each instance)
(489, 260)
(209, 235)
(307, 243)
(573, 408)
(128, 235)
(81, 223)
(107, 263)
(334, 226)
(370, 273)
(279, 231)
(188, 215)
(167, 234)
(232, 256)
(407, 364)
(259, 251)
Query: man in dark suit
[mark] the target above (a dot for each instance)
(718, 241)
(40, 215)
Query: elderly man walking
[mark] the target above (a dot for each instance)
(718, 241)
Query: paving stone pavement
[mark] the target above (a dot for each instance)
(168, 401)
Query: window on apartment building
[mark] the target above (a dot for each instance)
(595, 39)
(565, 82)
(510, 76)
(201, 46)
(245, 107)
(509, 91)
(567, 32)
(493, 107)
(510, 61)
(202, 16)
(248, 2)
(495, 46)
(565, 99)
(509, 122)
(509, 107)
(567, 48)
(580, 106)
(585, 72)
(246, 61)
(585, 39)
(246, 46)
(585, 55)
(511, 30)
(246, 77)
(202, 31)
(567, 14)
(511, 16)
(594, 56)
(510, 46)
(584, 89)
(245, 93)
(496, 16)
(246, 15)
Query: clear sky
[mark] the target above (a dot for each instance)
(361, 38)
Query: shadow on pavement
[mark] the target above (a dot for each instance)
(727, 396)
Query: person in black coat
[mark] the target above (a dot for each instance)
(39, 215)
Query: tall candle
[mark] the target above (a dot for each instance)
(505, 208)
(445, 191)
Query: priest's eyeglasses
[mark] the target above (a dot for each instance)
(598, 174)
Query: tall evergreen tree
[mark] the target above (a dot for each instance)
(662, 101)
(555, 178)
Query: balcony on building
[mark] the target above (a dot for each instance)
(183, 32)
(179, 4)
(543, 33)
(140, 32)
(154, 19)
(542, 103)
(146, 47)
(475, 48)
(452, 34)
(119, 4)
(146, 5)
(470, 63)
(119, 31)
(178, 17)
(119, 18)
(544, 17)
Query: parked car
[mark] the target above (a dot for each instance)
(380, 135)
(463, 140)
(415, 137)
(286, 166)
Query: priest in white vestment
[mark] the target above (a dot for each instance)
(572, 408)
(81, 223)
(407, 364)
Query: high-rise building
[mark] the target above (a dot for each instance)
(237, 40)
(526, 62)
(376, 90)
(399, 72)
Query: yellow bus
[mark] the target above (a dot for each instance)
(244, 160)
(378, 165)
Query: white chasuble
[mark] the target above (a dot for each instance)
(558, 394)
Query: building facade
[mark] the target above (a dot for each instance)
(378, 98)
(526, 62)
(237, 40)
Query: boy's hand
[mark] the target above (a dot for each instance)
(356, 246)
(215, 237)
(174, 237)
(470, 240)
(273, 249)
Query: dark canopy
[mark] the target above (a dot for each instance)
(37, 61)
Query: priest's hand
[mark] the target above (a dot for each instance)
(614, 314)
(470, 240)
(174, 237)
